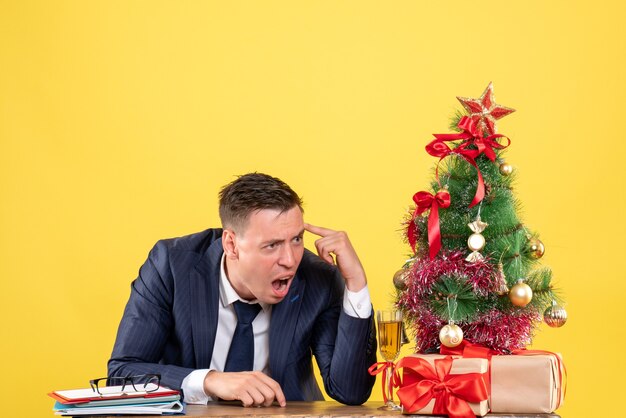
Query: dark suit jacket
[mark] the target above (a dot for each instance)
(170, 322)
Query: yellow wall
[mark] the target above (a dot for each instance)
(119, 121)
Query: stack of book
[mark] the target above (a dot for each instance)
(163, 401)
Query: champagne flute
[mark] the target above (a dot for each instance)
(389, 337)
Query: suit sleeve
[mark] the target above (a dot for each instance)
(344, 347)
(147, 323)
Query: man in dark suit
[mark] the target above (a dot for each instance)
(185, 317)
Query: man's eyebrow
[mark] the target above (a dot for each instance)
(272, 241)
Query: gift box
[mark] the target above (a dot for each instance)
(527, 383)
(443, 385)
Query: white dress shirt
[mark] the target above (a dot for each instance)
(356, 304)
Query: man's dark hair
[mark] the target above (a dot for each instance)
(252, 192)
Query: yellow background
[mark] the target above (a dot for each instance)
(120, 120)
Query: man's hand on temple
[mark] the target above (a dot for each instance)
(251, 388)
(338, 243)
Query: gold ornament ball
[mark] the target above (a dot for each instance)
(536, 248)
(400, 278)
(555, 316)
(476, 242)
(506, 169)
(520, 294)
(451, 335)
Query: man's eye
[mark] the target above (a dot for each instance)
(271, 246)
(297, 240)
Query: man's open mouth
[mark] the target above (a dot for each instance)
(281, 286)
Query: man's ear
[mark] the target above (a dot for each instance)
(229, 242)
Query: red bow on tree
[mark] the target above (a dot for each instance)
(471, 135)
(485, 144)
(425, 201)
(451, 392)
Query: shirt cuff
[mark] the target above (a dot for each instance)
(357, 304)
(193, 387)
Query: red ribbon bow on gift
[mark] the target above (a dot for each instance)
(425, 201)
(451, 392)
(471, 135)
(468, 349)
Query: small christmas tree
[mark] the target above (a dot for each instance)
(474, 272)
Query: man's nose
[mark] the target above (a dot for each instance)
(287, 257)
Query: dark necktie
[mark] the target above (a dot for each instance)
(241, 353)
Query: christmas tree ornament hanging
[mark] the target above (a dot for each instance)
(400, 278)
(555, 316)
(536, 249)
(520, 294)
(451, 335)
(484, 110)
(500, 282)
(506, 169)
(476, 241)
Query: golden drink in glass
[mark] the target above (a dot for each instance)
(389, 333)
(389, 338)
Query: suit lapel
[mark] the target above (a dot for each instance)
(282, 327)
(204, 278)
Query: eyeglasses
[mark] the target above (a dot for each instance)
(130, 385)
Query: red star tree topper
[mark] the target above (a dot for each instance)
(484, 110)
